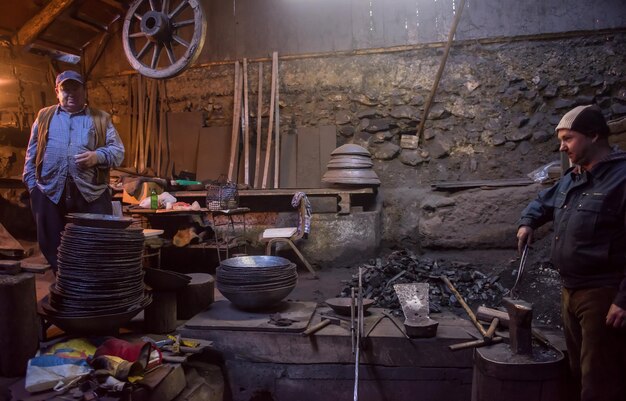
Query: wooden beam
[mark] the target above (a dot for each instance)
(33, 27)
(46, 45)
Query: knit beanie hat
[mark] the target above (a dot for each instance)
(588, 120)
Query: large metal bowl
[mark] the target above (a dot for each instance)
(257, 300)
(258, 261)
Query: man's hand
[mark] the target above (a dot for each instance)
(86, 159)
(524, 237)
(616, 317)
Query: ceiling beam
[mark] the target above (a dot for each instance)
(33, 27)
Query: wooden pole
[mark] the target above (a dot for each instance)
(268, 149)
(431, 96)
(259, 133)
(234, 137)
(459, 298)
(277, 127)
(246, 128)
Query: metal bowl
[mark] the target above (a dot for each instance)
(257, 300)
(95, 324)
(99, 220)
(341, 306)
(256, 261)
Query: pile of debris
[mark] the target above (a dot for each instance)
(378, 278)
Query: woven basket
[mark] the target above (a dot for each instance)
(222, 194)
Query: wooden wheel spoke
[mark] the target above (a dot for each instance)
(178, 9)
(136, 35)
(165, 7)
(170, 52)
(137, 16)
(183, 23)
(156, 55)
(144, 50)
(180, 40)
(152, 6)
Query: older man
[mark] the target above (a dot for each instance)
(588, 210)
(71, 149)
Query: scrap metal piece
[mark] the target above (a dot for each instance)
(414, 302)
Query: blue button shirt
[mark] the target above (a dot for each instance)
(70, 134)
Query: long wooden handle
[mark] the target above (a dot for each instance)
(316, 328)
(459, 298)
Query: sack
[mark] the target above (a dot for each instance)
(222, 194)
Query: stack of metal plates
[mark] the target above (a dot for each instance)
(256, 282)
(100, 275)
(351, 164)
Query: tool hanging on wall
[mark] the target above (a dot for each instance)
(268, 149)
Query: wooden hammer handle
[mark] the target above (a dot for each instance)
(316, 327)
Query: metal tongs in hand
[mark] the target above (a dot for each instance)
(520, 272)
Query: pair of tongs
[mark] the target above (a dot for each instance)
(520, 272)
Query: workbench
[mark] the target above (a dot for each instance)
(343, 198)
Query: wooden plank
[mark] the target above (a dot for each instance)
(268, 148)
(246, 128)
(328, 143)
(288, 154)
(276, 128)
(183, 129)
(510, 182)
(213, 150)
(234, 137)
(259, 131)
(308, 158)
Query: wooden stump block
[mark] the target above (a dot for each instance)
(160, 315)
(197, 296)
(19, 323)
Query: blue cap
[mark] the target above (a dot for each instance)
(69, 74)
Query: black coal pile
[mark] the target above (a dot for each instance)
(401, 266)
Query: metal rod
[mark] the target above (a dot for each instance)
(352, 329)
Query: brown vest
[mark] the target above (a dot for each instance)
(101, 121)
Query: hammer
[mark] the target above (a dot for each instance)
(317, 327)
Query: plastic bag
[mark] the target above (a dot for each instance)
(543, 173)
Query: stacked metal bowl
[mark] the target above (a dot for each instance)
(351, 164)
(256, 282)
(99, 284)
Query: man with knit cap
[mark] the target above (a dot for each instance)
(588, 210)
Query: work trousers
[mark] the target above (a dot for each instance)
(597, 353)
(50, 217)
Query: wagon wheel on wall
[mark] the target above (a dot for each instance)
(151, 26)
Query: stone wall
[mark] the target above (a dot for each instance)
(493, 117)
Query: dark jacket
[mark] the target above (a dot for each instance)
(588, 211)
